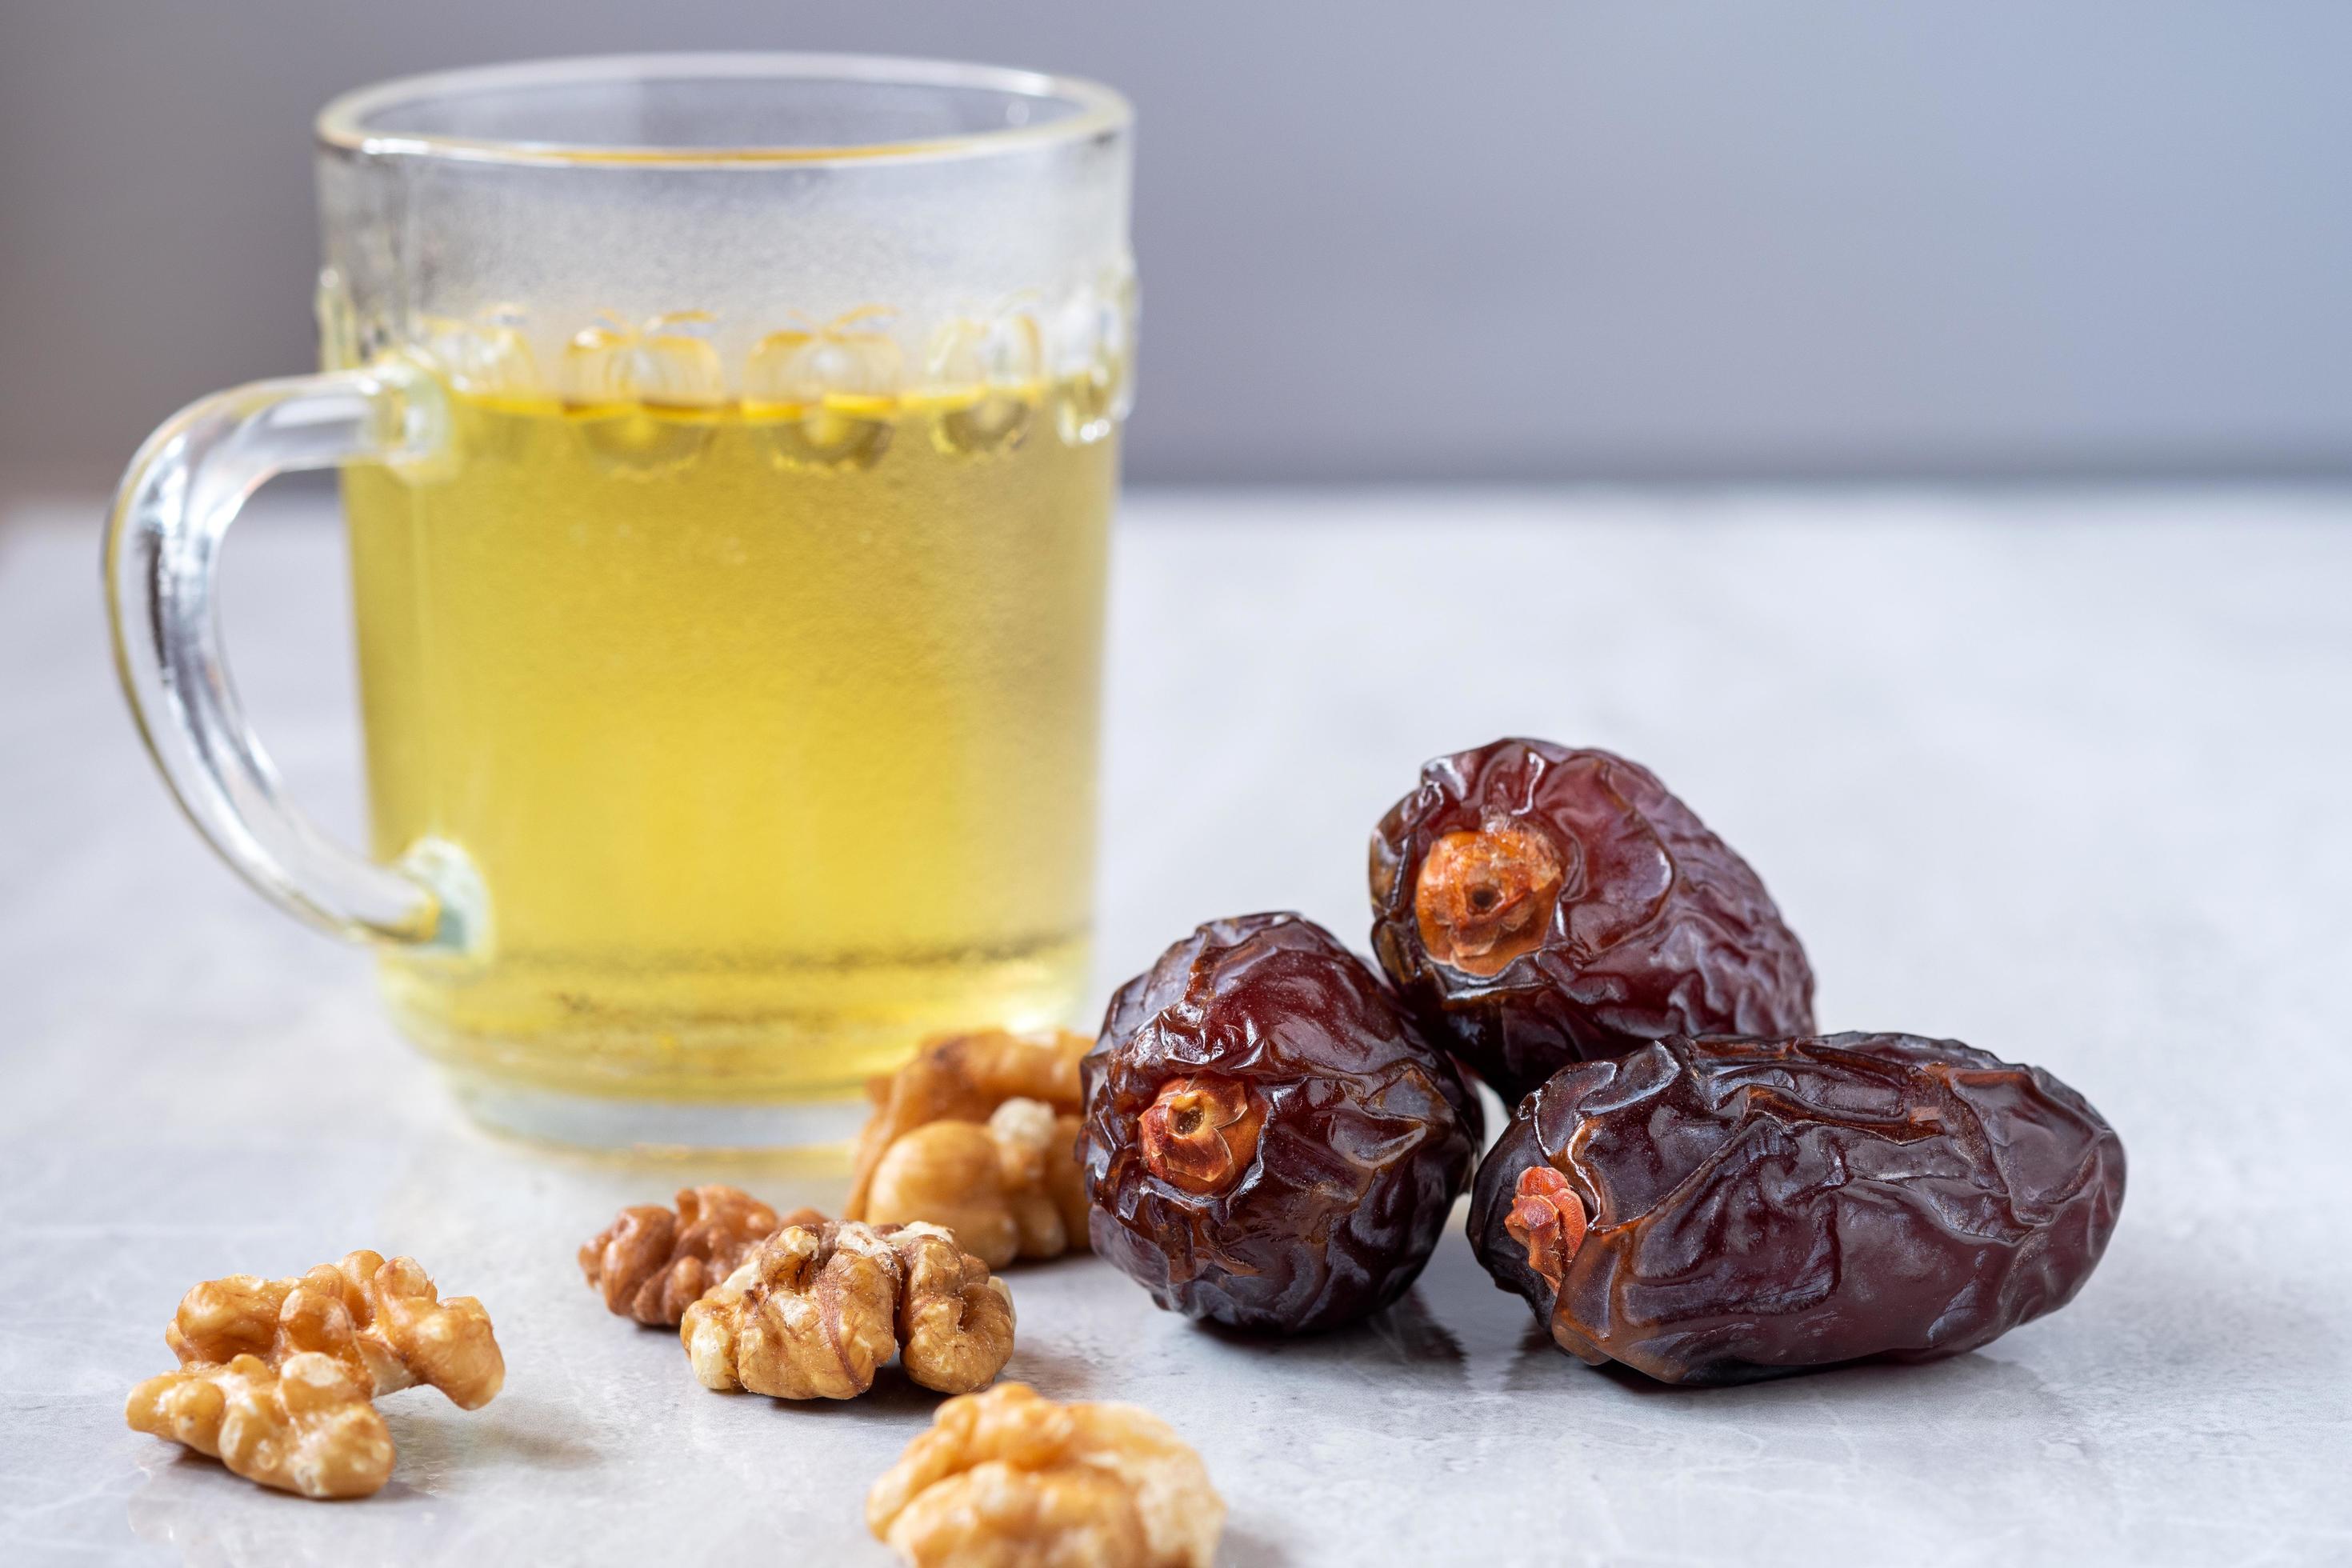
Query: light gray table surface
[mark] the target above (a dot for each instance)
(2064, 776)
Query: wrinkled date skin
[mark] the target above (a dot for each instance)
(1268, 1141)
(1720, 1210)
(1538, 906)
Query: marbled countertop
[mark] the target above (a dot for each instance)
(2063, 776)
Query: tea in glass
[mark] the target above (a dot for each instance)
(776, 756)
(729, 445)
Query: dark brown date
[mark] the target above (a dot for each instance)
(1268, 1141)
(1538, 906)
(1718, 1210)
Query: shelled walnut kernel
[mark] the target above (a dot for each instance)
(1008, 1188)
(304, 1425)
(278, 1376)
(651, 1264)
(383, 1323)
(1009, 1477)
(978, 1133)
(815, 1310)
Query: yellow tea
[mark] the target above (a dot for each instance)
(771, 739)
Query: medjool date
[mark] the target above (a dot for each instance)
(1538, 906)
(1718, 1210)
(1268, 1141)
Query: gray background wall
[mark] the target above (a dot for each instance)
(1396, 240)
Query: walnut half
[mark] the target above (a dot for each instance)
(1009, 1477)
(383, 1323)
(278, 1375)
(651, 1264)
(978, 1133)
(815, 1310)
(303, 1426)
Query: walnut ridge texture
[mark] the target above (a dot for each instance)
(304, 1425)
(382, 1321)
(278, 1376)
(1008, 1188)
(815, 1311)
(1009, 1477)
(977, 1134)
(652, 1263)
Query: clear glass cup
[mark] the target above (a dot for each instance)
(729, 445)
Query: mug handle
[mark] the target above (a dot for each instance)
(162, 547)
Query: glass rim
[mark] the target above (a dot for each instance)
(1096, 109)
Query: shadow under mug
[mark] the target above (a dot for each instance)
(729, 445)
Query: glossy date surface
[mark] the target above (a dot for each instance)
(1268, 1141)
(1720, 1210)
(1537, 905)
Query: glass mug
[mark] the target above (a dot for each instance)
(729, 445)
